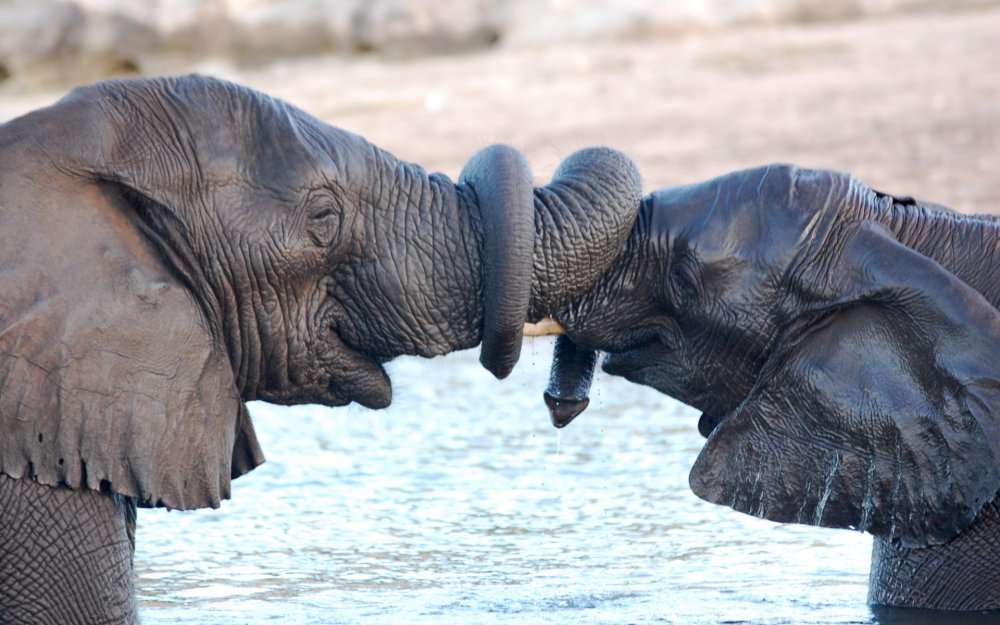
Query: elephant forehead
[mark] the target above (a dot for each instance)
(763, 214)
(736, 199)
(262, 153)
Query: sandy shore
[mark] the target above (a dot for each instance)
(911, 104)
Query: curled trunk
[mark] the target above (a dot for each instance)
(582, 220)
(514, 252)
(501, 179)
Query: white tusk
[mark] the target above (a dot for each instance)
(545, 327)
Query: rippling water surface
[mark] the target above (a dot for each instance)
(461, 504)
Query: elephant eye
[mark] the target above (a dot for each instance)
(684, 278)
(324, 219)
(323, 214)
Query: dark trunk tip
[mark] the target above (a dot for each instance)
(569, 382)
(563, 411)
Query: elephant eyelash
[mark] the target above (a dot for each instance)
(323, 214)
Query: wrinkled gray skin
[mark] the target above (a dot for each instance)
(842, 346)
(172, 248)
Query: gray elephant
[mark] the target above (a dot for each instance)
(842, 346)
(172, 248)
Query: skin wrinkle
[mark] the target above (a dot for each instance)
(835, 465)
(715, 204)
(183, 140)
(429, 261)
(443, 290)
(926, 466)
(588, 184)
(49, 523)
(386, 278)
(261, 276)
(394, 281)
(201, 185)
(416, 313)
(471, 240)
(249, 341)
(272, 357)
(147, 113)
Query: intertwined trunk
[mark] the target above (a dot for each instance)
(446, 257)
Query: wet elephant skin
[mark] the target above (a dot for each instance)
(841, 344)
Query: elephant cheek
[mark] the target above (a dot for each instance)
(330, 373)
(369, 386)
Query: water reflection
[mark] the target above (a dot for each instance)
(461, 503)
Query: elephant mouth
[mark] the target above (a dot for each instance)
(353, 375)
(653, 375)
(320, 366)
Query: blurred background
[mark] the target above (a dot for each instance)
(460, 503)
(904, 93)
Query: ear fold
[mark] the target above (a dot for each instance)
(109, 377)
(881, 415)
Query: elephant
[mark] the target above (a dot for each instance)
(841, 344)
(171, 248)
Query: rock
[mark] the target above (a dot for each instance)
(534, 22)
(44, 41)
(404, 27)
(79, 40)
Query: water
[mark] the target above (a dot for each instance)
(461, 504)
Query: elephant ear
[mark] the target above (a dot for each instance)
(880, 414)
(109, 377)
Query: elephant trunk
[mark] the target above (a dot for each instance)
(569, 383)
(501, 179)
(580, 220)
(474, 260)
(583, 218)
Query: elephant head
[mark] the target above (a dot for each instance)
(171, 248)
(839, 342)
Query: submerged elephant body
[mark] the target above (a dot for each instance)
(172, 248)
(841, 344)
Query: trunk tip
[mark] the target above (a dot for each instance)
(499, 356)
(563, 411)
